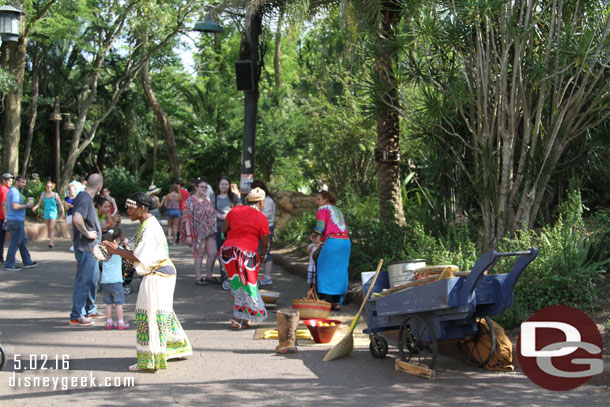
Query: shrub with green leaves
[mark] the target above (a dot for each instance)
(564, 273)
(33, 189)
(122, 184)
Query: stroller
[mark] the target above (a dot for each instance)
(2, 356)
(224, 280)
(128, 272)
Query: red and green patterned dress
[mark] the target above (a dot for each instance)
(239, 255)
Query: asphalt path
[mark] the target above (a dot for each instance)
(228, 368)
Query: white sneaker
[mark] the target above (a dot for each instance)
(71, 248)
(266, 280)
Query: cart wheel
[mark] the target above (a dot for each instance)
(2, 358)
(417, 342)
(480, 349)
(226, 284)
(378, 347)
(127, 289)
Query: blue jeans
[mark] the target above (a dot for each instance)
(18, 241)
(85, 284)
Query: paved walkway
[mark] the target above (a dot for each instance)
(228, 368)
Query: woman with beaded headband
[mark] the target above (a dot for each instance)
(245, 226)
(160, 336)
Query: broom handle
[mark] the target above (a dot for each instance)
(368, 294)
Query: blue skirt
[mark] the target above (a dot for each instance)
(332, 266)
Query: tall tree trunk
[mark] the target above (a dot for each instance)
(13, 58)
(33, 112)
(388, 129)
(163, 119)
(278, 44)
(100, 157)
(155, 148)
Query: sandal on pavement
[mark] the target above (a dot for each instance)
(110, 325)
(201, 281)
(124, 325)
(212, 280)
(236, 326)
(336, 307)
(136, 368)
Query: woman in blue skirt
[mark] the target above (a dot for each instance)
(333, 260)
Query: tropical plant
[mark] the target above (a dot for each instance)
(508, 88)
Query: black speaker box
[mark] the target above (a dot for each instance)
(244, 74)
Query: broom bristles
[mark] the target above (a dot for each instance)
(343, 348)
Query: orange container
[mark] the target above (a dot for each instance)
(322, 334)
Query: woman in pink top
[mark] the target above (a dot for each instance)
(333, 260)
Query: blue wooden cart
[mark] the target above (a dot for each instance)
(448, 309)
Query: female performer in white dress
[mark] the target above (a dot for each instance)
(160, 336)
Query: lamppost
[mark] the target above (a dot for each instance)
(56, 116)
(10, 23)
(12, 58)
(247, 75)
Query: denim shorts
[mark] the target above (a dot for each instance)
(113, 293)
(172, 213)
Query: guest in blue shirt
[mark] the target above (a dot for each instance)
(15, 217)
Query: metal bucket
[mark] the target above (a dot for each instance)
(402, 272)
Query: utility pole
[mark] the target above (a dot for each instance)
(249, 60)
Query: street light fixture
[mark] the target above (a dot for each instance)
(56, 116)
(68, 125)
(208, 26)
(10, 23)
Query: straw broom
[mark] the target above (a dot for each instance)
(346, 345)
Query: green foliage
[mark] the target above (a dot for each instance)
(564, 273)
(7, 81)
(33, 189)
(122, 184)
(298, 229)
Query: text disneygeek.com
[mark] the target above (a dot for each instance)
(69, 383)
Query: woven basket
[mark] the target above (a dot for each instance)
(311, 308)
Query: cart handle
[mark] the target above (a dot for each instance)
(487, 261)
(521, 263)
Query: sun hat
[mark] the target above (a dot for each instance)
(256, 194)
(153, 190)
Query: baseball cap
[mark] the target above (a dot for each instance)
(6, 175)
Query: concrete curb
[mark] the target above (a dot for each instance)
(290, 260)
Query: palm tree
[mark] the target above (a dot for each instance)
(380, 18)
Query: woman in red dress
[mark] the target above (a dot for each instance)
(245, 226)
